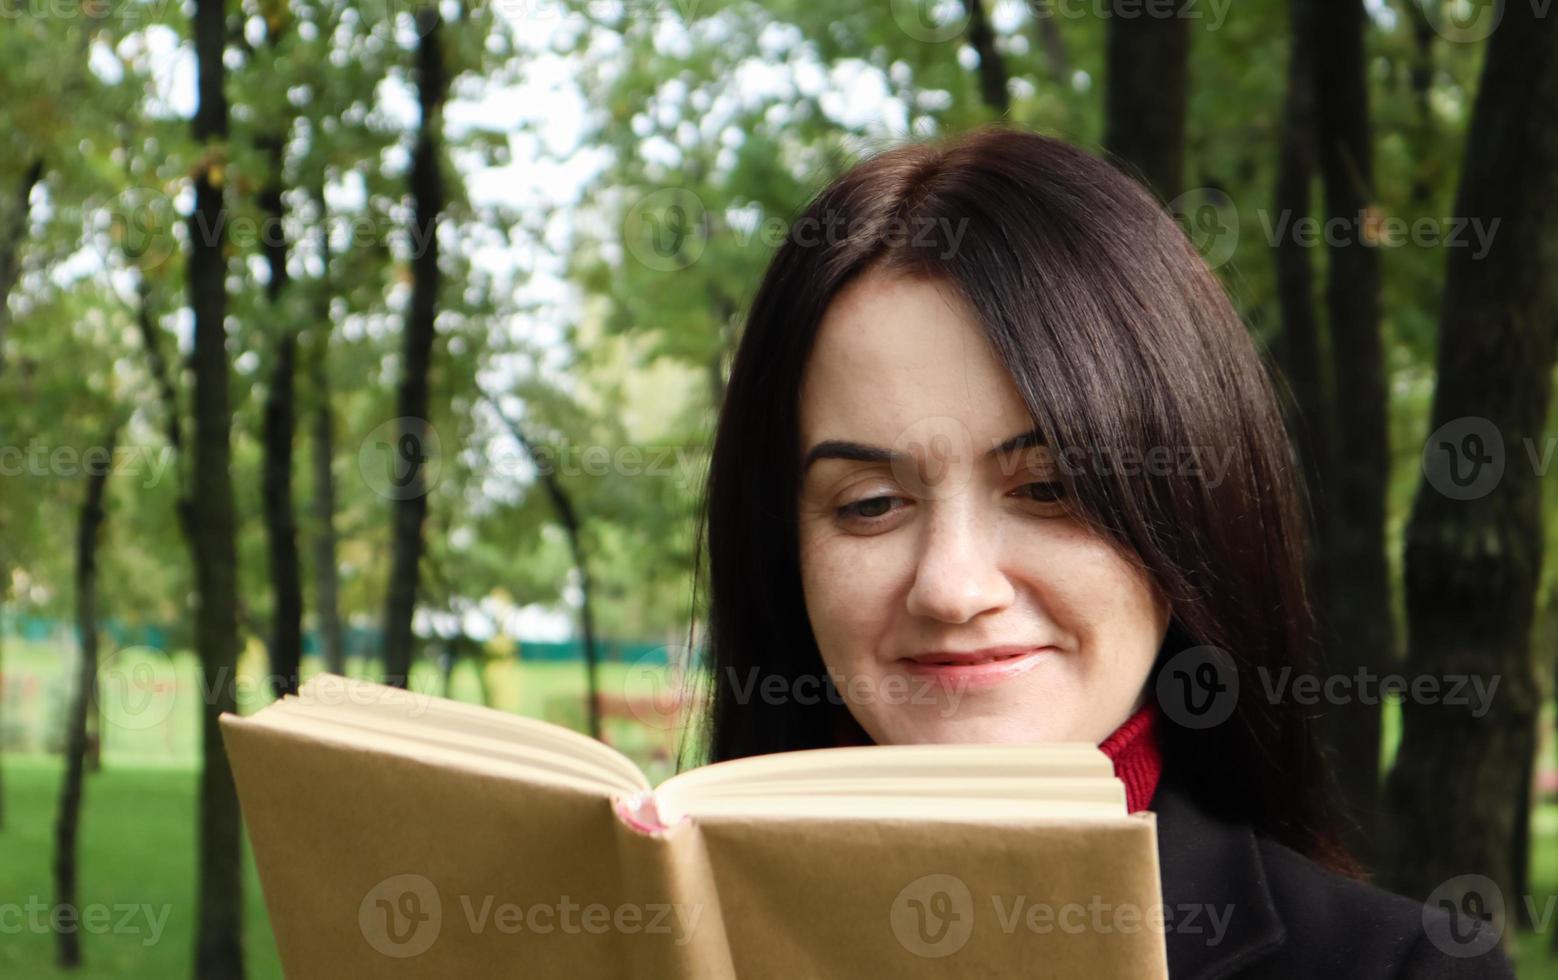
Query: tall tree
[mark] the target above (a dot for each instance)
(1355, 613)
(68, 820)
(1299, 343)
(14, 215)
(568, 516)
(280, 412)
(427, 192)
(219, 892)
(13, 229)
(1147, 95)
(992, 65)
(321, 456)
(1474, 539)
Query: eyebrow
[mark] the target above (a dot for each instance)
(860, 452)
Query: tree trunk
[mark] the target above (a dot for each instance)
(68, 821)
(992, 66)
(1358, 628)
(219, 893)
(1147, 93)
(321, 454)
(562, 503)
(327, 587)
(1474, 539)
(1299, 343)
(427, 191)
(1050, 41)
(13, 229)
(286, 646)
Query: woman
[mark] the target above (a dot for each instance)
(995, 439)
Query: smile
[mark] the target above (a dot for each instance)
(976, 668)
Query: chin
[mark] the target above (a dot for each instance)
(934, 729)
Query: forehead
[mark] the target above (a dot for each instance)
(893, 350)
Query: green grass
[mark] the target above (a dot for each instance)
(136, 850)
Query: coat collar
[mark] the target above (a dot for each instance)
(1211, 867)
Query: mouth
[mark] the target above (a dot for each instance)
(976, 668)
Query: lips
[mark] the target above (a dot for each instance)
(953, 658)
(976, 668)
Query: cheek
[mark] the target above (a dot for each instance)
(1106, 604)
(850, 589)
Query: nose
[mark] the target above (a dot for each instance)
(958, 575)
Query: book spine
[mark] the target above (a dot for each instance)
(666, 874)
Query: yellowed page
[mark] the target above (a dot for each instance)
(906, 899)
(379, 864)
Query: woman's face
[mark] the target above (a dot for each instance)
(952, 598)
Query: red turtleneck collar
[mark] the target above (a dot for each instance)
(1133, 748)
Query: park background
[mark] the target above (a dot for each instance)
(387, 336)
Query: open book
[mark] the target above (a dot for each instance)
(403, 835)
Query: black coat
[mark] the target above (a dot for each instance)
(1247, 907)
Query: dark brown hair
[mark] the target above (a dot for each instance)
(1119, 339)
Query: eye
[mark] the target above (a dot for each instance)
(1048, 493)
(869, 510)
